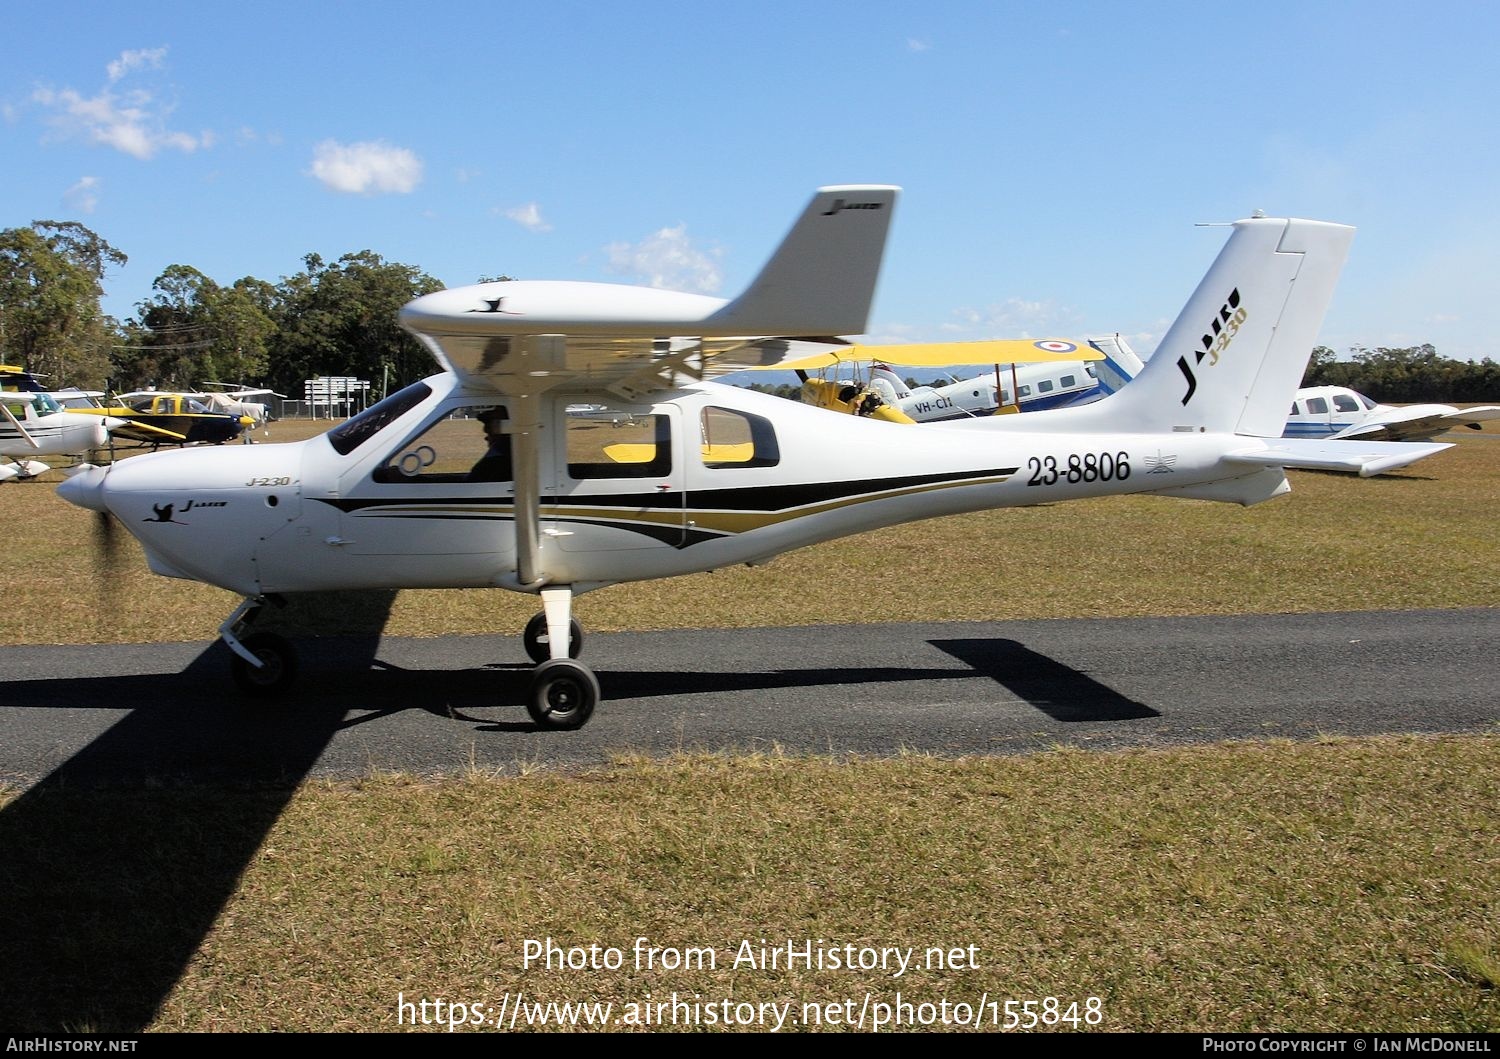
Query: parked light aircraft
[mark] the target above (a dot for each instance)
(1338, 412)
(1027, 375)
(159, 417)
(1044, 386)
(35, 423)
(708, 475)
(231, 399)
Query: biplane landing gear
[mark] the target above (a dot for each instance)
(263, 664)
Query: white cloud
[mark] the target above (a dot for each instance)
(914, 44)
(132, 121)
(668, 259)
(83, 196)
(366, 168)
(529, 217)
(134, 60)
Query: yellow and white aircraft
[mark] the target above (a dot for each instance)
(1026, 375)
(408, 493)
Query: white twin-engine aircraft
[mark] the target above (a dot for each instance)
(480, 477)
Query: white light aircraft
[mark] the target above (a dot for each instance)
(231, 399)
(707, 475)
(1338, 412)
(36, 424)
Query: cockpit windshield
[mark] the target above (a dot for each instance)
(354, 433)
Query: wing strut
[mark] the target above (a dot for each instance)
(525, 426)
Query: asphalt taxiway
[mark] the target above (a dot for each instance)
(111, 713)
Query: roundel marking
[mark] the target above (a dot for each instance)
(1056, 347)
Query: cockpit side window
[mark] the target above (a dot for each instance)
(469, 444)
(1342, 402)
(354, 433)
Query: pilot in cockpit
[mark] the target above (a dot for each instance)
(494, 465)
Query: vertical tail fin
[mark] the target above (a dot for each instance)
(821, 280)
(1119, 366)
(1235, 356)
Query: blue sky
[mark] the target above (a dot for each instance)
(1055, 156)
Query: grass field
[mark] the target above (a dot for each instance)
(1424, 536)
(1320, 886)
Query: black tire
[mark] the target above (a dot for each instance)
(563, 694)
(277, 673)
(539, 644)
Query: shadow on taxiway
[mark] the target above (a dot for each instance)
(1061, 692)
(112, 872)
(118, 863)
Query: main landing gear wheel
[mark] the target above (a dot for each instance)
(539, 644)
(563, 694)
(278, 665)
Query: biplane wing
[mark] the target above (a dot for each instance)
(947, 354)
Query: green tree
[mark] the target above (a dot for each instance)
(1403, 375)
(194, 331)
(51, 280)
(341, 319)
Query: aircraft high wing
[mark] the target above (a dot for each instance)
(480, 476)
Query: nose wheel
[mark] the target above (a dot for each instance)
(277, 667)
(262, 664)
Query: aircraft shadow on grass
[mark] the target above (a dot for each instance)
(118, 863)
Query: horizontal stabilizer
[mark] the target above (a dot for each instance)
(1364, 458)
(821, 280)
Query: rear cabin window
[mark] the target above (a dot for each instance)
(737, 439)
(604, 443)
(1045, 386)
(1068, 380)
(1317, 406)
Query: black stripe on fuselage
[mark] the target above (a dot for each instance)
(760, 498)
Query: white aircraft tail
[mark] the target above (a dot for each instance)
(821, 280)
(1120, 363)
(888, 384)
(1236, 354)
